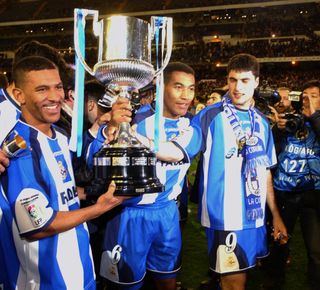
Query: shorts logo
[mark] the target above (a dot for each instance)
(115, 255)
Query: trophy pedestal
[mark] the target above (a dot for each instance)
(131, 168)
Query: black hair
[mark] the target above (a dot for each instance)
(93, 90)
(176, 66)
(36, 48)
(4, 83)
(244, 62)
(311, 84)
(28, 64)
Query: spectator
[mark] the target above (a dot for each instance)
(297, 184)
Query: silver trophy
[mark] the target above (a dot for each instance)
(124, 61)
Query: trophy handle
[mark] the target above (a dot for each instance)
(97, 30)
(166, 25)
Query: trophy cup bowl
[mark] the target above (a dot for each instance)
(124, 60)
(125, 73)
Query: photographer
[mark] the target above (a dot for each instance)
(297, 179)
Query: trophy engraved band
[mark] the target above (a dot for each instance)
(124, 60)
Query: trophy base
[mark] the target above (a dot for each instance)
(131, 168)
(124, 72)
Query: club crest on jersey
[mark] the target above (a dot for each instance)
(63, 170)
(63, 167)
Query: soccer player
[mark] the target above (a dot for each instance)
(9, 113)
(146, 234)
(237, 148)
(50, 236)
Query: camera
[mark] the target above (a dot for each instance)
(295, 121)
(265, 96)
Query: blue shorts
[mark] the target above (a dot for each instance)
(235, 251)
(142, 238)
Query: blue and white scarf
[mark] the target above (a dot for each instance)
(254, 155)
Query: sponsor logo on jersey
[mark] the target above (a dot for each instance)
(172, 164)
(68, 195)
(231, 152)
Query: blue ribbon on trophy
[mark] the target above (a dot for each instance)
(78, 108)
(158, 23)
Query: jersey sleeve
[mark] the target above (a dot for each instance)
(189, 141)
(28, 199)
(92, 145)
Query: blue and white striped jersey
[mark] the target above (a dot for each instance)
(10, 265)
(38, 183)
(9, 113)
(170, 174)
(223, 186)
(299, 162)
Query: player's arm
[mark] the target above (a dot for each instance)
(66, 220)
(278, 225)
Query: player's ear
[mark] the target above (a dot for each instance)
(257, 82)
(19, 96)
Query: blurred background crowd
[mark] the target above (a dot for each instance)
(285, 36)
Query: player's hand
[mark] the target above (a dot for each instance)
(107, 200)
(279, 230)
(282, 121)
(121, 112)
(273, 116)
(4, 161)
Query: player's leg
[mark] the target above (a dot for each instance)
(164, 258)
(125, 248)
(231, 253)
